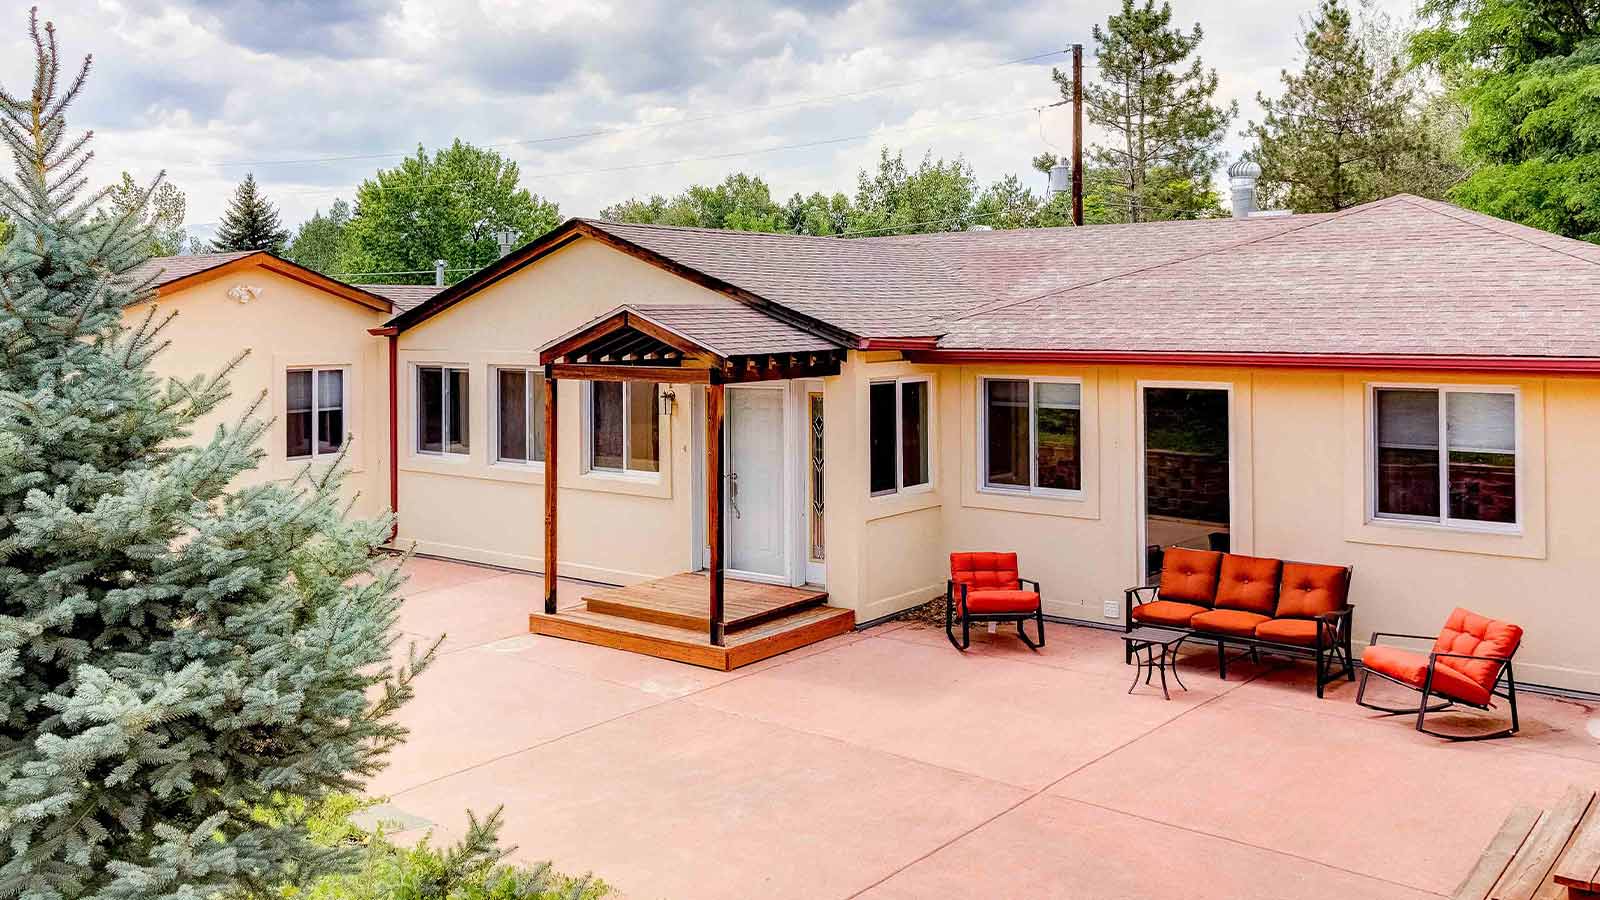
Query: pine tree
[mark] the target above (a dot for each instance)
(250, 222)
(1341, 125)
(1166, 127)
(179, 663)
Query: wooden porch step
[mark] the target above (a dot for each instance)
(1541, 854)
(682, 601)
(754, 643)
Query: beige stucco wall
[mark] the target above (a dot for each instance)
(613, 528)
(1299, 452)
(290, 324)
(1299, 482)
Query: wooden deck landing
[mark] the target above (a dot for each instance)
(668, 618)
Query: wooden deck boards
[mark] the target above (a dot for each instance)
(682, 601)
(667, 618)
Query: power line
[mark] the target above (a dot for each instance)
(606, 132)
(715, 156)
(405, 272)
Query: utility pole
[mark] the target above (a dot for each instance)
(1077, 134)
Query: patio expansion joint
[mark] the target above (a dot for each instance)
(1043, 791)
(659, 702)
(1235, 841)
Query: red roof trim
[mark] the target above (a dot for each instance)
(1523, 364)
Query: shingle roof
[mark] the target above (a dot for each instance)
(859, 286)
(730, 329)
(167, 269)
(1399, 276)
(403, 296)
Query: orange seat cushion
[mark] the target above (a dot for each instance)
(1467, 632)
(1249, 583)
(1227, 621)
(1189, 576)
(1408, 667)
(1166, 612)
(1308, 591)
(1000, 601)
(985, 571)
(1289, 631)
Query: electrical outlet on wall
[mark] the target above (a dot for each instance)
(1113, 609)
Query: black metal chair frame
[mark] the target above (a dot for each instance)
(968, 616)
(1333, 639)
(1421, 710)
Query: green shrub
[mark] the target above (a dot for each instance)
(473, 869)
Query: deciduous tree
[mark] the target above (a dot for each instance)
(320, 243)
(164, 212)
(1529, 73)
(449, 206)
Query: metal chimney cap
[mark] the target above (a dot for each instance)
(1244, 168)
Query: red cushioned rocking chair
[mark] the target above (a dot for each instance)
(1467, 663)
(984, 587)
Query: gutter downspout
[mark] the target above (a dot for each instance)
(393, 334)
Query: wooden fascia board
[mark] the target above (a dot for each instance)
(663, 374)
(333, 286)
(1439, 363)
(194, 279)
(546, 244)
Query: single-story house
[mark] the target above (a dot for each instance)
(1406, 387)
(317, 373)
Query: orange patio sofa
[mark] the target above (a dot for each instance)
(1293, 608)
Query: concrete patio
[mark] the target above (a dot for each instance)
(884, 764)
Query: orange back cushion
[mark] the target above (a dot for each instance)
(1249, 583)
(985, 571)
(1308, 591)
(1466, 632)
(1189, 576)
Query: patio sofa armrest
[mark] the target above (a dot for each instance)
(1027, 581)
(950, 591)
(1134, 592)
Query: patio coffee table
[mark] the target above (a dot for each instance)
(1160, 648)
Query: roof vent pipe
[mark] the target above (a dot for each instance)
(507, 239)
(1242, 177)
(438, 272)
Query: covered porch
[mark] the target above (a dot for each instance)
(703, 617)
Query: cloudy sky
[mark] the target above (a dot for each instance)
(597, 100)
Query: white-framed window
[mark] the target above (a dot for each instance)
(314, 415)
(898, 432)
(1445, 455)
(1031, 435)
(519, 415)
(444, 417)
(623, 429)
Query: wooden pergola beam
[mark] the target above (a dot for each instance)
(630, 372)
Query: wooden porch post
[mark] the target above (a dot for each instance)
(551, 473)
(714, 416)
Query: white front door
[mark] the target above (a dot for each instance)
(755, 492)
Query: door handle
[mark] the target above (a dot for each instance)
(733, 494)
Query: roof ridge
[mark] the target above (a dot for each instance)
(1137, 270)
(1472, 217)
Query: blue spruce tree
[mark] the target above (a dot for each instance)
(182, 666)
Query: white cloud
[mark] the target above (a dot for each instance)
(201, 87)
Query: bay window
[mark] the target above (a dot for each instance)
(1445, 455)
(443, 415)
(519, 413)
(624, 432)
(1032, 432)
(314, 413)
(898, 435)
